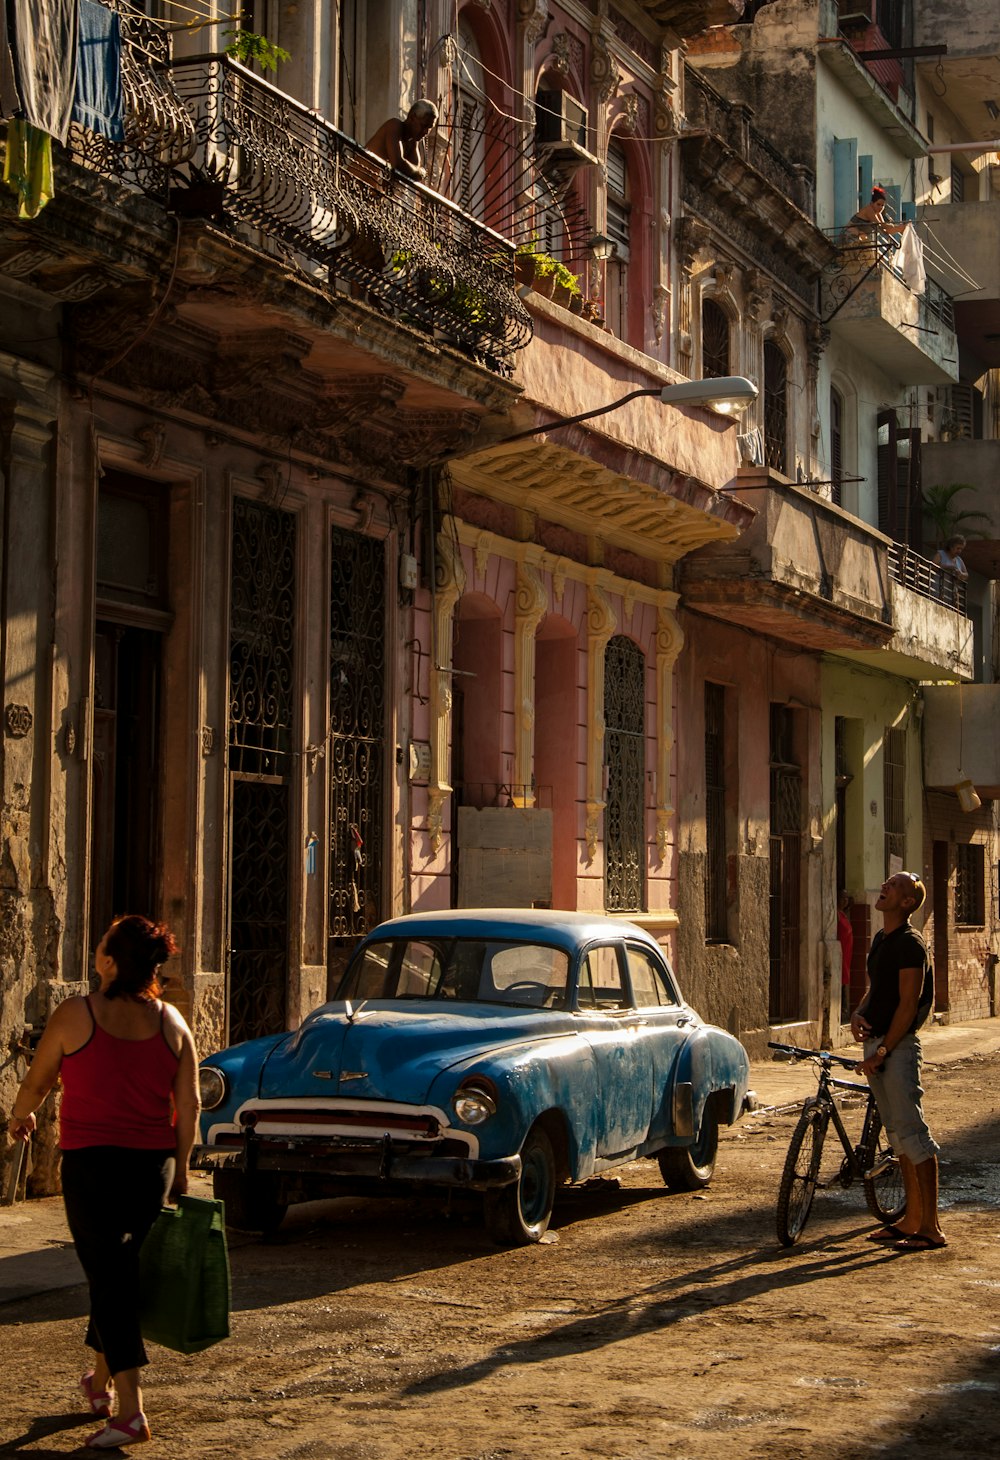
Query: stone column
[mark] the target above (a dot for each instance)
(601, 625)
(531, 605)
(669, 642)
(449, 585)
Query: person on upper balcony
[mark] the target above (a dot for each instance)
(870, 220)
(398, 141)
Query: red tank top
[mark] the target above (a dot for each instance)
(118, 1092)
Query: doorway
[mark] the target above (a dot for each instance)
(939, 898)
(124, 860)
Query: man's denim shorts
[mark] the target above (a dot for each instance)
(898, 1093)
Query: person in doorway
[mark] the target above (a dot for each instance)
(897, 1002)
(399, 142)
(845, 937)
(129, 1075)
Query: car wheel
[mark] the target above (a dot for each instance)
(519, 1214)
(688, 1168)
(253, 1203)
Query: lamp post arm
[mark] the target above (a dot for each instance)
(575, 420)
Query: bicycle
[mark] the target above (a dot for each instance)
(871, 1161)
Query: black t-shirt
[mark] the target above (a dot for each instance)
(904, 947)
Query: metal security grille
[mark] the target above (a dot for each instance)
(258, 955)
(625, 751)
(786, 862)
(261, 639)
(261, 683)
(714, 340)
(836, 446)
(894, 792)
(970, 897)
(716, 922)
(357, 731)
(775, 406)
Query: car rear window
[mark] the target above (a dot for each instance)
(468, 970)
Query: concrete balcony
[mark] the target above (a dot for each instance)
(910, 336)
(804, 571)
(691, 17)
(969, 232)
(932, 635)
(961, 722)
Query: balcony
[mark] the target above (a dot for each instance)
(690, 17)
(960, 737)
(865, 301)
(254, 163)
(933, 637)
(804, 571)
(969, 233)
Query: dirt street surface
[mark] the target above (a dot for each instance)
(651, 1325)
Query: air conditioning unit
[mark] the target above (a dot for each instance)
(560, 119)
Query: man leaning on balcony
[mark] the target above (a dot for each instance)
(398, 142)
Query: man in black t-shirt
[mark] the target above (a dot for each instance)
(898, 1000)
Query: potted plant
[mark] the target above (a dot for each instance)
(948, 520)
(567, 285)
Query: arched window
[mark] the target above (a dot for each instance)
(714, 340)
(616, 303)
(836, 445)
(775, 407)
(625, 759)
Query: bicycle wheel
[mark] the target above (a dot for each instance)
(884, 1191)
(798, 1180)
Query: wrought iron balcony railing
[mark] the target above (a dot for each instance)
(276, 174)
(860, 258)
(706, 110)
(926, 578)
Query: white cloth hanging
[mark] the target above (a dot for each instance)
(909, 260)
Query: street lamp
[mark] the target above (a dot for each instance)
(730, 394)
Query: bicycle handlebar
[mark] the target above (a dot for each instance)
(814, 1054)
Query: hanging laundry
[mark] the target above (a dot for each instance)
(42, 35)
(909, 260)
(99, 102)
(10, 102)
(27, 168)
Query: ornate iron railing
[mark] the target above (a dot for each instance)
(926, 578)
(708, 111)
(860, 259)
(256, 161)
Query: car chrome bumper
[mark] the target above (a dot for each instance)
(361, 1160)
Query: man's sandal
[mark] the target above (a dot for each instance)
(119, 1432)
(919, 1243)
(98, 1400)
(887, 1234)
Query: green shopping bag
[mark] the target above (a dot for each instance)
(184, 1276)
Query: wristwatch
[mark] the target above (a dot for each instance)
(881, 1053)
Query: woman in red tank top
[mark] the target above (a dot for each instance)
(129, 1075)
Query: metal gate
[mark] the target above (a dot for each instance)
(625, 753)
(261, 708)
(357, 738)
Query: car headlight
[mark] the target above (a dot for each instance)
(212, 1086)
(475, 1102)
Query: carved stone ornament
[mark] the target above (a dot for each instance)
(559, 59)
(658, 309)
(630, 112)
(604, 70)
(154, 437)
(534, 15)
(18, 719)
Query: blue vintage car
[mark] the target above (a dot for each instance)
(501, 1050)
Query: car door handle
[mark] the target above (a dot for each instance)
(636, 1023)
(683, 1019)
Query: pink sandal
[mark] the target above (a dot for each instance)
(98, 1400)
(118, 1432)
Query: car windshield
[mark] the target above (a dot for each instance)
(473, 970)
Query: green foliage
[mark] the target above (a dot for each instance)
(947, 520)
(566, 279)
(247, 46)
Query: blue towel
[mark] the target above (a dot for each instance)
(99, 104)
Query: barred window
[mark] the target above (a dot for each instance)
(970, 898)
